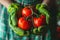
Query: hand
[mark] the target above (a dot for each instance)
(49, 2)
(5, 3)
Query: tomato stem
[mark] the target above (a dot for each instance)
(34, 12)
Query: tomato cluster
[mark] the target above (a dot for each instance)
(27, 19)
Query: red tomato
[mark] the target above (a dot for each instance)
(26, 12)
(23, 24)
(43, 17)
(37, 22)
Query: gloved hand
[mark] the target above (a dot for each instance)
(14, 11)
(41, 8)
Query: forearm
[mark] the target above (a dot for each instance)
(48, 2)
(6, 3)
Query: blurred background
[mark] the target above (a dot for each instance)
(58, 20)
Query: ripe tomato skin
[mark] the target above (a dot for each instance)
(37, 22)
(26, 12)
(43, 17)
(23, 24)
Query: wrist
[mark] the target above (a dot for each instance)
(13, 7)
(5, 3)
(46, 2)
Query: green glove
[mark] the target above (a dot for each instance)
(41, 9)
(12, 9)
